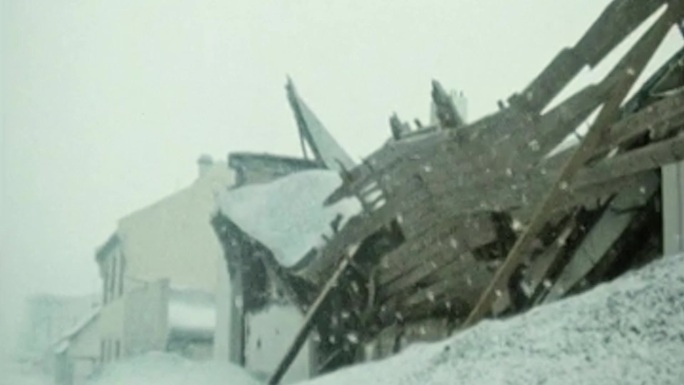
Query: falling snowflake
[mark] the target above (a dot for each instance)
(453, 242)
(517, 225)
(431, 296)
(353, 338)
(534, 145)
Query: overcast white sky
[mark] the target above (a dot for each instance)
(107, 104)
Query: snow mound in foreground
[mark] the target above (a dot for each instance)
(630, 331)
(168, 369)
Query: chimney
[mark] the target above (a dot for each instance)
(204, 164)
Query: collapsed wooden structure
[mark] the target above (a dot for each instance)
(464, 221)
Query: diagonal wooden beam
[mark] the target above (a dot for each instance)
(309, 320)
(617, 21)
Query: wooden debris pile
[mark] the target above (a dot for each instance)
(464, 221)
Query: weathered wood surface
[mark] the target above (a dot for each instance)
(612, 224)
(540, 266)
(643, 159)
(457, 235)
(464, 278)
(627, 71)
(657, 120)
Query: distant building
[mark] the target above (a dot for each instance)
(160, 273)
(76, 353)
(46, 319)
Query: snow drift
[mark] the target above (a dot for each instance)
(630, 331)
(167, 369)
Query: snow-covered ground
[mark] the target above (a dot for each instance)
(630, 331)
(166, 369)
(627, 332)
(12, 373)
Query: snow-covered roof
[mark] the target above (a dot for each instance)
(62, 344)
(288, 215)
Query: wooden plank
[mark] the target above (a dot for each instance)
(464, 273)
(432, 260)
(562, 69)
(560, 122)
(627, 70)
(646, 158)
(614, 24)
(468, 233)
(658, 119)
(599, 240)
(463, 282)
(445, 180)
(353, 233)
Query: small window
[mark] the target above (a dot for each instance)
(121, 275)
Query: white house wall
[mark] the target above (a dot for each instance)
(269, 334)
(111, 327)
(84, 352)
(146, 318)
(673, 208)
(223, 314)
(173, 239)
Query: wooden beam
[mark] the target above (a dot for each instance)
(616, 22)
(657, 119)
(643, 159)
(541, 265)
(467, 232)
(309, 320)
(601, 237)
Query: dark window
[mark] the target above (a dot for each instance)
(121, 274)
(112, 276)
